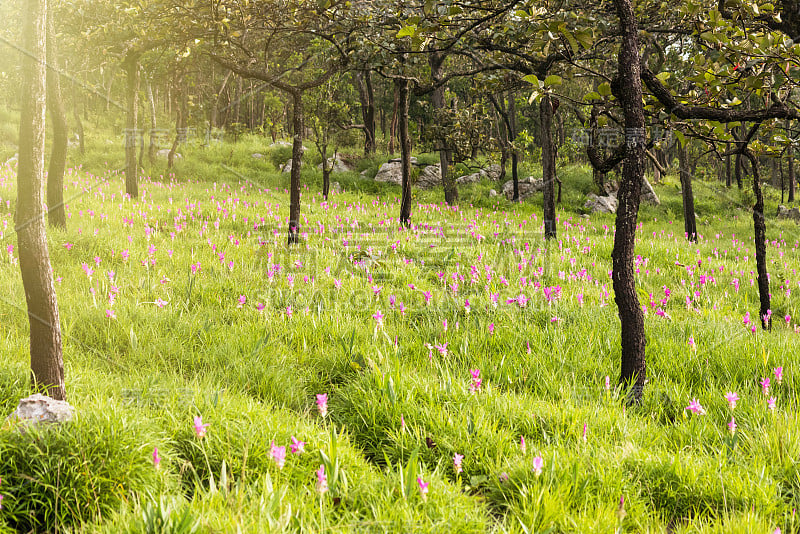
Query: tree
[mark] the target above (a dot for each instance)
(34, 258)
(58, 155)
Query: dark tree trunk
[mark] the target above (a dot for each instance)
(689, 223)
(760, 231)
(297, 156)
(401, 88)
(366, 97)
(738, 134)
(512, 136)
(58, 155)
(47, 367)
(435, 60)
(546, 111)
(628, 88)
(790, 153)
(131, 66)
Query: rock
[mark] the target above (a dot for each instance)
(339, 165)
(399, 160)
(789, 213)
(390, 172)
(256, 155)
(277, 144)
(40, 409)
(606, 204)
(287, 167)
(431, 176)
(648, 194)
(526, 187)
(164, 153)
(493, 172)
(492, 193)
(364, 173)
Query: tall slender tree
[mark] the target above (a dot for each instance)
(34, 259)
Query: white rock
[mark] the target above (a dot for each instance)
(257, 155)
(164, 153)
(38, 408)
(526, 187)
(339, 165)
(390, 172)
(606, 204)
(431, 176)
(492, 193)
(648, 194)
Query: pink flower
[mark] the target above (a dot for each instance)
(322, 479)
(695, 407)
(196, 267)
(491, 328)
(538, 464)
(522, 446)
(278, 454)
(242, 300)
(200, 428)
(584, 432)
(608, 383)
(161, 303)
(732, 399)
(423, 488)
(778, 374)
(322, 404)
(156, 458)
(765, 386)
(111, 314)
(378, 316)
(476, 381)
(457, 462)
(732, 426)
(771, 403)
(297, 446)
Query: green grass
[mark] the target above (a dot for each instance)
(180, 346)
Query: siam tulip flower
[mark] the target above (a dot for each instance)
(278, 454)
(423, 488)
(585, 427)
(732, 399)
(242, 300)
(608, 383)
(691, 343)
(402, 422)
(476, 381)
(771, 403)
(503, 477)
(732, 426)
(778, 374)
(491, 328)
(457, 462)
(297, 446)
(322, 404)
(156, 458)
(322, 480)
(200, 428)
(765, 386)
(441, 348)
(111, 314)
(538, 464)
(522, 445)
(378, 316)
(695, 407)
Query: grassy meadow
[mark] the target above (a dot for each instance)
(469, 367)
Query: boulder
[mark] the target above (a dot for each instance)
(648, 194)
(164, 153)
(789, 213)
(277, 144)
(40, 409)
(492, 172)
(339, 165)
(431, 176)
(256, 155)
(492, 193)
(287, 167)
(596, 204)
(390, 172)
(527, 187)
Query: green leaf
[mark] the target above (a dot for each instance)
(551, 80)
(604, 89)
(532, 79)
(680, 137)
(407, 31)
(663, 76)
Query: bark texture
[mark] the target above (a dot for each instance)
(58, 154)
(628, 89)
(687, 195)
(546, 112)
(760, 231)
(401, 88)
(47, 368)
(297, 156)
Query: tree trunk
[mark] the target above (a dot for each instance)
(151, 149)
(47, 367)
(760, 231)
(214, 122)
(546, 111)
(180, 120)
(297, 156)
(401, 90)
(687, 196)
(435, 60)
(58, 155)
(366, 97)
(628, 87)
(131, 66)
(790, 153)
(512, 136)
(393, 124)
